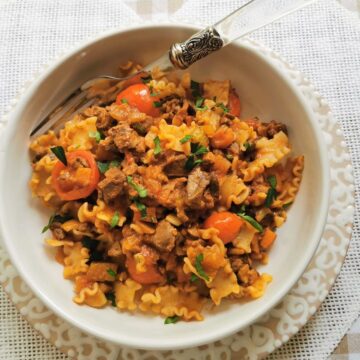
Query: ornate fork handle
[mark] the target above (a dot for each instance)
(183, 54)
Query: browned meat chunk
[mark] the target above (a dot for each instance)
(164, 237)
(125, 113)
(175, 166)
(171, 105)
(112, 186)
(125, 138)
(271, 129)
(198, 180)
(104, 120)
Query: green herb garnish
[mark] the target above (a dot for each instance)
(198, 266)
(114, 220)
(124, 101)
(157, 149)
(192, 160)
(111, 272)
(157, 104)
(111, 297)
(140, 190)
(194, 277)
(287, 205)
(141, 207)
(223, 107)
(89, 243)
(171, 320)
(95, 135)
(146, 79)
(195, 89)
(95, 255)
(272, 193)
(229, 157)
(251, 221)
(103, 166)
(185, 139)
(59, 152)
(199, 102)
(139, 129)
(56, 218)
(198, 149)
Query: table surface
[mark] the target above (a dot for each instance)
(349, 347)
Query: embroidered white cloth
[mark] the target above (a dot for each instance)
(323, 41)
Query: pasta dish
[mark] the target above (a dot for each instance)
(164, 198)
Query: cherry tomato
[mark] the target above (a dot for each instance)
(78, 179)
(151, 275)
(227, 223)
(138, 95)
(234, 103)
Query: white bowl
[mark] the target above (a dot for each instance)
(264, 91)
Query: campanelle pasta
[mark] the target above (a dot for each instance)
(164, 198)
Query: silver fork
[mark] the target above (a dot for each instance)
(251, 16)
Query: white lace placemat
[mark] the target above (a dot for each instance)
(322, 41)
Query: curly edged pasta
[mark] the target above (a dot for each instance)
(165, 199)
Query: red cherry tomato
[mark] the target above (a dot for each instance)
(138, 95)
(151, 275)
(234, 103)
(227, 223)
(74, 182)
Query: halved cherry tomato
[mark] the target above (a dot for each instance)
(227, 223)
(234, 103)
(78, 179)
(138, 95)
(151, 275)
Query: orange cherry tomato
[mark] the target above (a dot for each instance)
(234, 103)
(151, 275)
(138, 95)
(75, 181)
(227, 223)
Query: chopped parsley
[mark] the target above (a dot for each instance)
(105, 166)
(95, 135)
(111, 297)
(114, 220)
(95, 255)
(223, 107)
(196, 151)
(146, 79)
(199, 102)
(195, 89)
(198, 266)
(157, 149)
(152, 93)
(272, 193)
(229, 157)
(194, 278)
(140, 190)
(171, 320)
(59, 152)
(90, 243)
(157, 104)
(287, 205)
(124, 101)
(185, 139)
(56, 218)
(111, 272)
(140, 129)
(141, 207)
(251, 221)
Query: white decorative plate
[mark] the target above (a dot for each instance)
(273, 329)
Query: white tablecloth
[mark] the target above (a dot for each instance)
(322, 41)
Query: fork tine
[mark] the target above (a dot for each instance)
(75, 100)
(59, 124)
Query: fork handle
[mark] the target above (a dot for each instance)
(253, 15)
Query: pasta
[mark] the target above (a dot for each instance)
(166, 200)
